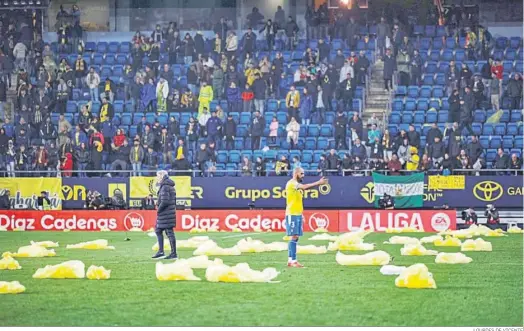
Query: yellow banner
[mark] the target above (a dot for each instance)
(25, 191)
(447, 182)
(141, 187)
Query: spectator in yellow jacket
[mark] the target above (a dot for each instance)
(292, 102)
(414, 159)
(204, 97)
(250, 74)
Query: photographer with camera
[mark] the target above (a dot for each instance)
(5, 204)
(469, 216)
(148, 203)
(386, 202)
(94, 201)
(492, 215)
(43, 202)
(117, 201)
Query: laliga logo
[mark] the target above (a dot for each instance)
(133, 220)
(318, 220)
(440, 222)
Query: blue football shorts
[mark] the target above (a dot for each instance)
(294, 225)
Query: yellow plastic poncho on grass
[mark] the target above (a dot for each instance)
(416, 250)
(211, 248)
(478, 245)
(236, 229)
(257, 229)
(200, 262)
(3, 229)
(249, 245)
(174, 271)
(136, 230)
(403, 230)
(371, 258)
(213, 229)
(19, 229)
(8, 263)
(400, 240)
(31, 251)
(324, 237)
(11, 287)
(98, 273)
(311, 249)
(93, 245)
(416, 276)
(46, 244)
(430, 239)
(452, 258)
(241, 273)
(197, 230)
(340, 246)
(495, 233)
(192, 242)
(449, 241)
(105, 230)
(515, 230)
(66, 270)
(286, 238)
(321, 230)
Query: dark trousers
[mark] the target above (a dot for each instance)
(515, 102)
(467, 125)
(170, 235)
(339, 138)
(230, 143)
(255, 142)
(388, 84)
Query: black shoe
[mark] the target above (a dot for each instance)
(171, 256)
(158, 255)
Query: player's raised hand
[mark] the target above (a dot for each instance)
(323, 181)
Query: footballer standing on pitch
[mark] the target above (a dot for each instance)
(166, 214)
(294, 208)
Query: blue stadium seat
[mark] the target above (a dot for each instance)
(326, 130)
(418, 30)
(488, 129)
(422, 104)
(245, 118)
(238, 143)
(501, 42)
(434, 103)
(401, 91)
(311, 143)
(460, 55)
(329, 117)
(495, 142)
(512, 129)
(484, 141)
(507, 142)
(508, 66)
(393, 129)
(517, 151)
(316, 155)
(272, 105)
(510, 55)
(307, 156)
(410, 104)
(430, 31)
(443, 116)
(434, 55)
(490, 155)
(395, 118)
(282, 117)
(479, 116)
(477, 128)
(109, 59)
(313, 130)
(234, 156)
(431, 117)
(451, 43)
(118, 70)
(428, 79)
(440, 79)
(500, 129)
(98, 59)
(431, 68)
(419, 117)
(242, 130)
(268, 116)
(445, 104)
(118, 106)
(437, 43)
(438, 92)
(398, 104)
(518, 143)
(425, 91)
(407, 117)
(101, 47)
(505, 116)
(515, 42)
(71, 107)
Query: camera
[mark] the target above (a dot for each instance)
(469, 216)
(492, 214)
(386, 202)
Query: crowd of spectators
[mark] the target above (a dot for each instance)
(95, 142)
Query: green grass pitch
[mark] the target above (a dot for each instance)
(486, 292)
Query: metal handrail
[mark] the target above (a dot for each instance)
(366, 172)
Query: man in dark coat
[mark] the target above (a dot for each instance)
(166, 214)
(390, 66)
(467, 102)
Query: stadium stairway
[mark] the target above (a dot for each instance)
(378, 98)
(11, 99)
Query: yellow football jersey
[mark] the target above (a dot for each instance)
(293, 198)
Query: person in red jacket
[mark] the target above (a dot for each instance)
(118, 139)
(497, 69)
(67, 165)
(247, 98)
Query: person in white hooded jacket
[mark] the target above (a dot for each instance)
(345, 70)
(162, 91)
(20, 53)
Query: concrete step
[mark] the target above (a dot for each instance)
(377, 105)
